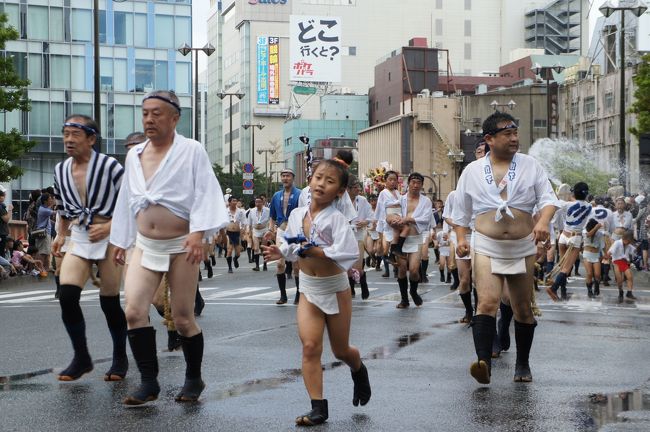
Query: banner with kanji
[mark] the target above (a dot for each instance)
(315, 48)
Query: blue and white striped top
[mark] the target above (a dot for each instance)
(103, 180)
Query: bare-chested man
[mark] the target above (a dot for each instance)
(282, 204)
(86, 186)
(501, 190)
(258, 221)
(416, 211)
(164, 207)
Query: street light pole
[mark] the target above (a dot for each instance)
(638, 8)
(259, 126)
(185, 49)
(96, 78)
(537, 69)
(222, 94)
(266, 170)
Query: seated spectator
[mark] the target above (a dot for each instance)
(26, 262)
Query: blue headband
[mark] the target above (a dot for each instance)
(164, 99)
(87, 129)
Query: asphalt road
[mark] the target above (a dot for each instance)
(589, 361)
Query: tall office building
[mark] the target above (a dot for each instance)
(138, 54)
(478, 34)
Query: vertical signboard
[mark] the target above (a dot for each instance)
(274, 70)
(262, 70)
(315, 48)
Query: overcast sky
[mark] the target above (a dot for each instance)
(201, 8)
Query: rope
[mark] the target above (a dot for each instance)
(167, 307)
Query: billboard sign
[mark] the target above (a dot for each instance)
(315, 48)
(274, 70)
(262, 70)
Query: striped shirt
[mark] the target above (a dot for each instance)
(103, 181)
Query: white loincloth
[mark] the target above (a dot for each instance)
(591, 257)
(321, 291)
(393, 211)
(84, 248)
(66, 244)
(575, 240)
(412, 244)
(359, 233)
(156, 253)
(279, 236)
(507, 257)
(373, 234)
(260, 233)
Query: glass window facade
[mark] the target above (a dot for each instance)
(57, 57)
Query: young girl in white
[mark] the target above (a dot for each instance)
(592, 248)
(320, 238)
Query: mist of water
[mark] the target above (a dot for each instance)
(567, 161)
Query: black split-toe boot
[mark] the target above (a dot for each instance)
(317, 415)
(143, 345)
(362, 391)
(524, 334)
(483, 330)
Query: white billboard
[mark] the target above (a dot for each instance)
(643, 33)
(315, 44)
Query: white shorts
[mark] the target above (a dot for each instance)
(575, 240)
(591, 257)
(444, 251)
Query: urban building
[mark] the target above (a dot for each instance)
(370, 30)
(590, 113)
(557, 27)
(425, 139)
(341, 118)
(138, 41)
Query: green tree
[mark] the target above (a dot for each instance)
(13, 96)
(236, 183)
(641, 105)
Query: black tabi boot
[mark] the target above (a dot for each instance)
(605, 277)
(483, 330)
(352, 283)
(229, 261)
(249, 253)
(467, 302)
(414, 293)
(58, 287)
(199, 303)
(596, 288)
(193, 353)
(213, 260)
(475, 295)
(297, 297)
(264, 267)
(365, 293)
(362, 391)
(256, 260)
(503, 330)
(590, 292)
(378, 261)
(404, 292)
(288, 269)
(235, 261)
(116, 321)
(549, 266)
(143, 345)
(75, 325)
(173, 340)
(282, 284)
(442, 274)
(524, 334)
(424, 266)
(386, 268)
(448, 280)
(576, 267)
(436, 252)
(317, 415)
(454, 274)
(208, 267)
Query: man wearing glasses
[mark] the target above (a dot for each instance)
(502, 190)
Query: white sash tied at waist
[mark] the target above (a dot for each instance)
(321, 291)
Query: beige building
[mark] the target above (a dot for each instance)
(590, 113)
(527, 104)
(426, 140)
